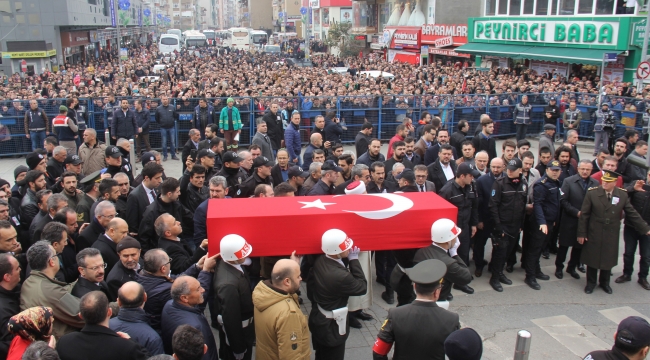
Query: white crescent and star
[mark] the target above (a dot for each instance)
(399, 205)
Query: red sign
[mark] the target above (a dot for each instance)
(372, 221)
(442, 32)
(406, 38)
(360, 37)
(447, 52)
(23, 65)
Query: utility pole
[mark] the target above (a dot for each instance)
(644, 49)
(119, 34)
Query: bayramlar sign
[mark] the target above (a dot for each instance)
(551, 32)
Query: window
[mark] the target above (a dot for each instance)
(92, 2)
(567, 7)
(490, 7)
(503, 7)
(529, 5)
(585, 6)
(553, 8)
(515, 7)
(604, 7)
(34, 19)
(542, 7)
(169, 41)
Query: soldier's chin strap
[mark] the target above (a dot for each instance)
(381, 347)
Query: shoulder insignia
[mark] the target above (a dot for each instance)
(620, 188)
(592, 188)
(543, 180)
(80, 217)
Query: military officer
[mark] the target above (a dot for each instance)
(419, 329)
(90, 186)
(330, 285)
(508, 209)
(599, 228)
(461, 192)
(546, 209)
(444, 247)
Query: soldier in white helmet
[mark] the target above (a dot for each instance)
(234, 300)
(444, 235)
(332, 281)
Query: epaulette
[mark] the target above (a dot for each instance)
(543, 180)
(593, 187)
(620, 188)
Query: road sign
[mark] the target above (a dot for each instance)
(643, 70)
(23, 65)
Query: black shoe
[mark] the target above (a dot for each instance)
(581, 268)
(389, 297)
(623, 279)
(553, 250)
(546, 254)
(589, 289)
(510, 268)
(464, 288)
(478, 272)
(519, 249)
(450, 297)
(504, 280)
(559, 274)
(354, 322)
(175, 158)
(606, 288)
(362, 315)
(496, 285)
(541, 276)
(532, 283)
(644, 283)
(381, 281)
(573, 274)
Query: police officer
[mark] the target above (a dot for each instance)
(90, 187)
(571, 118)
(462, 193)
(234, 300)
(331, 282)
(261, 175)
(230, 171)
(115, 164)
(546, 208)
(600, 225)
(604, 124)
(508, 209)
(419, 329)
(444, 247)
(631, 341)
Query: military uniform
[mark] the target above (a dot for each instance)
(457, 272)
(600, 224)
(419, 329)
(86, 202)
(466, 200)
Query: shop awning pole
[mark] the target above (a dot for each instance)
(644, 49)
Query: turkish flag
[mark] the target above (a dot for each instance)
(278, 226)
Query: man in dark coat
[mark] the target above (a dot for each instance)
(116, 230)
(124, 124)
(574, 190)
(168, 229)
(641, 202)
(143, 195)
(125, 270)
(438, 171)
(599, 227)
(106, 212)
(91, 269)
(9, 298)
(273, 122)
(422, 326)
(191, 144)
(96, 340)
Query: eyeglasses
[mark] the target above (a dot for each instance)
(421, 176)
(169, 262)
(95, 268)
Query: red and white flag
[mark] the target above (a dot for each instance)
(278, 226)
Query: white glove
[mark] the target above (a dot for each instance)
(354, 253)
(240, 356)
(453, 251)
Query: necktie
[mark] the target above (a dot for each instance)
(153, 196)
(609, 197)
(421, 188)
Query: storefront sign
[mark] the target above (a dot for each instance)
(638, 32)
(446, 41)
(74, 38)
(548, 32)
(447, 52)
(432, 33)
(360, 37)
(28, 54)
(404, 57)
(405, 38)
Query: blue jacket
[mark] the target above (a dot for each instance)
(124, 125)
(200, 218)
(306, 157)
(136, 323)
(175, 315)
(292, 141)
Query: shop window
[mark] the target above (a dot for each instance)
(503, 7)
(92, 2)
(585, 6)
(541, 8)
(567, 7)
(515, 7)
(554, 6)
(605, 7)
(490, 7)
(529, 5)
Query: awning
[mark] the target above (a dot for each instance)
(545, 53)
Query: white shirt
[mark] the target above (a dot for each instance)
(148, 191)
(449, 174)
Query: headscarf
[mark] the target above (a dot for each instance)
(32, 324)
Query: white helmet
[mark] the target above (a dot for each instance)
(335, 241)
(443, 230)
(234, 247)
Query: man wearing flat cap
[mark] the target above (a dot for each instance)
(631, 341)
(547, 139)
(419, 329)
(600, 225)
(127, 268)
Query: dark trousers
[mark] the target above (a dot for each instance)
(529, 230)
(229, 136)
(552, 242)
(592, 276)
(480, 239)
(384, 265)
(534, 250)
(521, 131)
(465, 238)
(404, 289)
(329, 353)
(631, 238)
(574, 260)
(499, 254)
(138, 144)
(225, 352)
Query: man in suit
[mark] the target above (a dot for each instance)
(444, 247)
(96, 340)
(315, 143)
(191, 144)
(104, 213)
(363, 138)
(443, 169)
(410, 153)
(124, 124)
(142, 196)
(92, 273)
(421, 175)
(431, 155)
(426, 141)
(574, 190)
(55, 203)
(168, 230)
(422, 326)
(600, 225)
(263, 140)
(116, 230)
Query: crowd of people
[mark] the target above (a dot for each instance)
(98, 260)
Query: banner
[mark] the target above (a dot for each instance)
(278, 226)
(113, 17)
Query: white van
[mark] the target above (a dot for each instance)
(177, 32)
(168, 43)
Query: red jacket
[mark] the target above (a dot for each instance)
(390, 146)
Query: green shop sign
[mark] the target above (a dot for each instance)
(550, 32)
